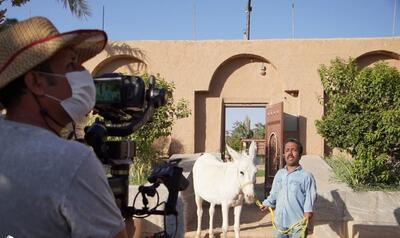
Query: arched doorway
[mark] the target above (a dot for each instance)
(369, 58)
(241, 79)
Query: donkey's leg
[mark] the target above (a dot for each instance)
(199, 202)
(236, 226)
(225, 210)
(211, 213)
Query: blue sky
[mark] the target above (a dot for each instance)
(233, 114)
(225, 19)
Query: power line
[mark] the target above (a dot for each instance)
(194, 21)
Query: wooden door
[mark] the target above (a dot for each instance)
(274, 147)
(222, 126)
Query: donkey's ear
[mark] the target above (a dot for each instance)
(253, 150)
(235, 155)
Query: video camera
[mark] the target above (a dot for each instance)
(125, 105)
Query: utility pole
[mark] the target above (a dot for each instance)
(394, 18)
(293, 20)
(248, 12)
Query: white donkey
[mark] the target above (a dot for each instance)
(226, 184)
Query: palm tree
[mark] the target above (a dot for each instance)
(247, 132)
(7, 21)
(79, 8)
(259, 131)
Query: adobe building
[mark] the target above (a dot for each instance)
(280, 75)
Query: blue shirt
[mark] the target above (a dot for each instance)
(291, 195)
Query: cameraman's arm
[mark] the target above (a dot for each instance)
(129, 230)
(122, 234)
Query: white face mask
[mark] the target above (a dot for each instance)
(83, 96)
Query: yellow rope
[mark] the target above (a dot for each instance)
(299, 225)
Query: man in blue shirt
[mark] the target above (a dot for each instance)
(292, 194)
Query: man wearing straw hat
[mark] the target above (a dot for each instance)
(50, 187)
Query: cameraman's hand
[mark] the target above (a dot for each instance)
(129, 227)
(129, 230)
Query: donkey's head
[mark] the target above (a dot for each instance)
(246, 170)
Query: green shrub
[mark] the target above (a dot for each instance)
(160, 125)
(363, 118)
(354, 174)
(142, 164)
(343, 170)
(260, 173)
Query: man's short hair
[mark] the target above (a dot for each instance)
(12, 92)
(297, 142)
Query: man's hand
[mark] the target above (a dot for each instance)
(308, 215)
(263, 208)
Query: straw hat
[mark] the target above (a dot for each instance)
(28, 43)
